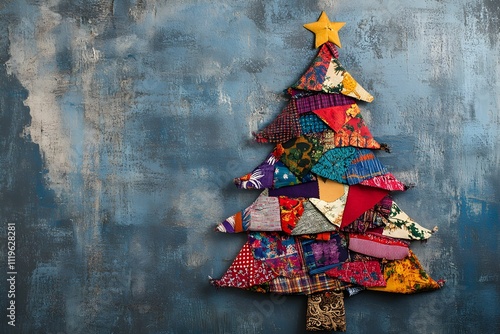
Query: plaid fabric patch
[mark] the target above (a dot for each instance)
(284, 127)
(320, 101)
(305, 284)
(310, 123)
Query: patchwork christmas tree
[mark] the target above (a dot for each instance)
(324, 224)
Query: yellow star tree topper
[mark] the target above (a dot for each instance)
(325, 30)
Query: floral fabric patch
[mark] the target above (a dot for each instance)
(407, 276)
(278, 251)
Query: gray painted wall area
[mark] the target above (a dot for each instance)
(123, 123)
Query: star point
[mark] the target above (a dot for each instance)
(325, 30)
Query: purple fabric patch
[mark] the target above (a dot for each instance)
(306, 190)
(320, 101)
(228, 226)
(320, 255)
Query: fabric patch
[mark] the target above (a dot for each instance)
(245, 271)
(329, 190)
(359, 200)
(355, 133)
(314, 76)
(262, 215)
(378, 246)
(312, 221)
(386, 181)
(338, 80)
(305, 284)
(300, 154)
(326, 74)
(278, 251)
(283, 177)
(291, 211)
(261, 177)
(284, 127)
(319, 256)
(407, 276)
(364, 273)
(310, 123)
(336, 117)
(333, 211)
(334, 164)
(364, 166)
(372, 218)
(320, 100)
(401, 226)
(308, 189)
(326, 312)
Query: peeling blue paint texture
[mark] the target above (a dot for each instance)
(123, 123)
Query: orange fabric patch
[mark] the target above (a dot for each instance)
(238, 222)
(406, 276)
(329, 190)
(291, 210)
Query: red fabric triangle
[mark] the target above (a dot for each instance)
(335, 117)
(360, 199)
(245, 271)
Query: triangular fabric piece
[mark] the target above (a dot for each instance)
(401, 226)
(386, 181)
(333, 211)
(312, 221)
(329, 190)
(337, 117)
(326, 74)
(245, 271)
(407, 276)
(335, 163)
(356, 133)
(364, 166)
(359, 200)
(326, 312)
(283, 128)
(338, 80)
(364, 273)
(262, 215)
(278, 251)
(261, 177)
(314, 76)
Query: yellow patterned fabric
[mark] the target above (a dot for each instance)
(406, 276)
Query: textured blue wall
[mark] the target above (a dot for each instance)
(123, 123)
